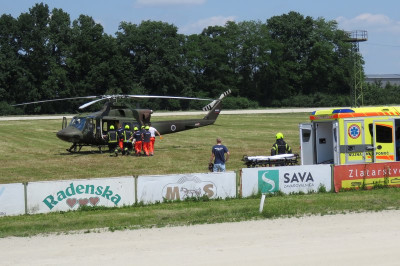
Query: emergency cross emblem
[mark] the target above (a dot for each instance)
(354, 131)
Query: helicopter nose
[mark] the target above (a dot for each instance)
(70, 134)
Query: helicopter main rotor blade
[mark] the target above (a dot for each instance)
(92, 102)
(168, 97)
(54, 100)
(109, 97)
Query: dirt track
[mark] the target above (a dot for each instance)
(350, 239)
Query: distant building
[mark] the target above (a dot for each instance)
(393, 79)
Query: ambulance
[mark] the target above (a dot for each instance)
(351, 136)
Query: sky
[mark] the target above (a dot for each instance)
(381, 19)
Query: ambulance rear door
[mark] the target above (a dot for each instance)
(383, 136)
(354, 143)
(307, 145)
(336, 143)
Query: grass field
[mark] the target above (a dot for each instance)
(30, 151)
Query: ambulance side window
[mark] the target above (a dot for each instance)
(383, 134)
(306, 135)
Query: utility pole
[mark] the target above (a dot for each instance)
(355, 37)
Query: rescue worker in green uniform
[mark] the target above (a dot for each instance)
(112, 137)
(127, 139)
(280, 146)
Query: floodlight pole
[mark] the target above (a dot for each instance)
(355, 37)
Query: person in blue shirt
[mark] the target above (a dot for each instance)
(218, 155)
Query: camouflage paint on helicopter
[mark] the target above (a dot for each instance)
(88, 130)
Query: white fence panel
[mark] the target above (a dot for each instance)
(151, 189)
(286, 179)
(12, 199)
(68, 195)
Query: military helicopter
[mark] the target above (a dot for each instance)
(88, 130)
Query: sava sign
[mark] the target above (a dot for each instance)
(70, 195)
(286, 179)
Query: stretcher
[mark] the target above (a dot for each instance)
(275, 160)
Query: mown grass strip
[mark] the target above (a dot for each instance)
(199, 211)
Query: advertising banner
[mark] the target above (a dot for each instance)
(368, 175)
(286, 179)
(12, 199)
(151, 189)
(68, 195)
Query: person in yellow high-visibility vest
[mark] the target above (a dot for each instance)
(280, 146)
(112, 138)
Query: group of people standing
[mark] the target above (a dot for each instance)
(134, 141)
(143, 139)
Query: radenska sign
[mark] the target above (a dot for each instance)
(72, 190)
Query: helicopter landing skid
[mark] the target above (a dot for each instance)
(74, 147)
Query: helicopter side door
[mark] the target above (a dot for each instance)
(98, 129)
(89, 131)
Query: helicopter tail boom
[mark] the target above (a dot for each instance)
(214, 107)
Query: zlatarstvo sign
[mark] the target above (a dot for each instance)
(12, 199)
(151, 189)
(286, 179)
(67, 195)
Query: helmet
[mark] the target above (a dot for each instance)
(279, 135)
(142, 127)
(147, 127)
(111, 127)
(126, 126)
(135, 128)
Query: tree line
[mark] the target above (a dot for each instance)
(289, 60)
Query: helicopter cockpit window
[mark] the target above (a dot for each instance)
(78, 122)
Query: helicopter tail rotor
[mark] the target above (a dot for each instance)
(209, 106)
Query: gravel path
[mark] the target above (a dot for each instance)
(348, 239)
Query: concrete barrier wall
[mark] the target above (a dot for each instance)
(12, 199)
(66, 195)
(42, 197)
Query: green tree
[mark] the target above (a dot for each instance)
(95, 65)
(10, 70)
(35, 54)
(313, 57)
(219, 55)
(155, 51)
